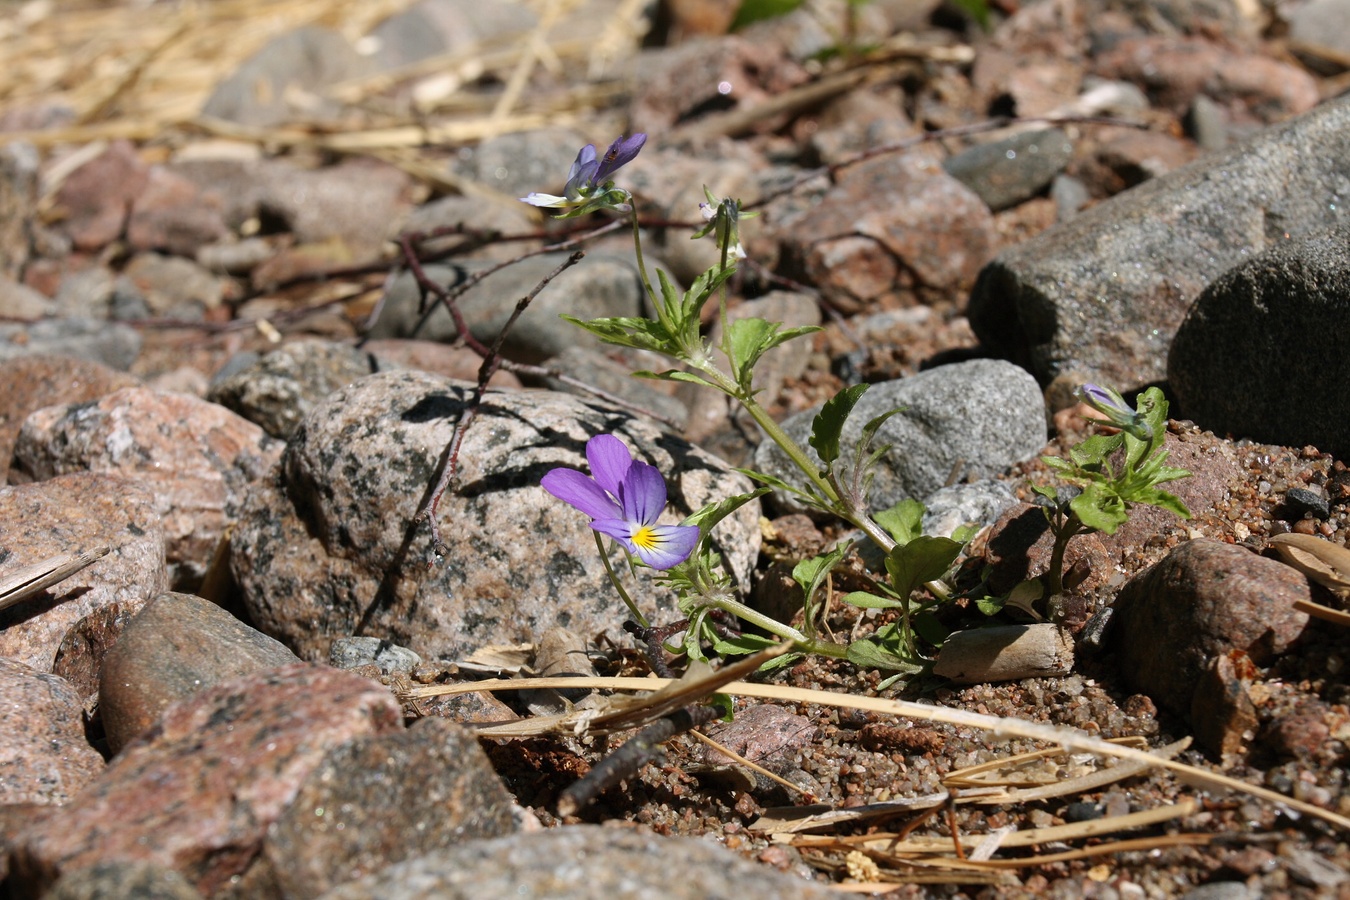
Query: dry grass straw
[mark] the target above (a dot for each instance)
(144, 72)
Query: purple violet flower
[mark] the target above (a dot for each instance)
(589, 185)
(1119, 413)
(624, 497)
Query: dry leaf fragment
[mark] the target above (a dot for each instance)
(1324, 562)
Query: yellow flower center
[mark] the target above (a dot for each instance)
(645, 538)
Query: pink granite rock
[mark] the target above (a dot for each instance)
(69, 514)
(174, 215)
(33, 382)
(44, 757)
(198, 792)
(197, 458)
(96, 198)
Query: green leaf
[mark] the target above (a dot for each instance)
(1092, 452)
(1100, 507)
(710, 515)
(869, 655)
(644, 334)
(779, 484)
(748, 339)
(828, 424)
(672, 375)
(990, 606)
(903, 521)
(930, 628)
(1163, 500)
(743, 645)
(779, 661)
(864, 600)
(811, 573)
(923, 559)
(726, 704)
(751, 11)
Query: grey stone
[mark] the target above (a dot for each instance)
(1105, 294)
(327, 547)
(350, 652)
(18, 301)
(111, 343)
(276, 391)
(598, 370)
(1277, 324)
(19, 164)
(516, 164)
(434, 27)
(979, 503)
(1005, 172)
(580, 862)
(601, 285)
(293, 67)
(976, 417)
(1325, 23)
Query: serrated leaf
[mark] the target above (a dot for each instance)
(643, 334)
(779, 484)
(828, 424)
(1163, 500)
(865, 600)
(903, 521)
(923, 559)
(1099, 507)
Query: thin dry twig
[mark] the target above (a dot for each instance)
(18, 586)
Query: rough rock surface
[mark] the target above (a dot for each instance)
(176, 646)
(198, 459)
(327, 547)
(1105, 294)
(579, 863)
(1203, 600)
(979, 416)
(1292, 304)
(73, 513)
(198, 792)
(44, 757)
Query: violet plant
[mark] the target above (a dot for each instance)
(623, 504)
(1114, 472)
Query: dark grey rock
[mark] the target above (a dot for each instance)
(327, 547)
(976, 418)
(350, 652)
(113, 344)
(1005, 172)
(1286, 311)
(278, 390)
(299, 63)
(601, 285)
(378, 800)
(580, 862)
(1105, 294)
(1299, 501)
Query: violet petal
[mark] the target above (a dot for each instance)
(581, 492)
(609, 459)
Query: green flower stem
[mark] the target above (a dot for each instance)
(618, 586)
(774, 627)
(642, 273)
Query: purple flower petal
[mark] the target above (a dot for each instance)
(581, 492)
(619, 529)
(642, 494)
(619, 154)
(663, 546)
(609, 459)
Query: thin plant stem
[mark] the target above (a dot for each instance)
(618, 585)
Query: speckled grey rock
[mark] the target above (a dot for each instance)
(350, 652)
(1005, 172)
(596, 369)
(518, 163)
(327, 546)
(1105, 294)
(378, 800)
(112, 343)
(600, 285)
(979, 503)
(279, 389)
(1289, 306)
(978, 417)
(580, 862)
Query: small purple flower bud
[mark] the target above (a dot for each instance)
(1117, 411)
